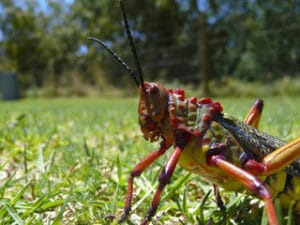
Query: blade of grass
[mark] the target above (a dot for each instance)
(19, 194)
(264, 219)
(120, 172)
(40, 161)
(290, 214)
(64, 206)
(12, 212)
(29, 220)
(86, 147)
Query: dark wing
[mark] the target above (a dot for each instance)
(255, 143)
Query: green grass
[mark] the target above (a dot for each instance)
(66, 161)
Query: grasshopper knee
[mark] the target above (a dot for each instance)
(260, 189)
(164, 177)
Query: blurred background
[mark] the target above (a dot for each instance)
(209, 47)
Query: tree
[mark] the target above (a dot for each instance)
(41, 45)
(22, 37)
(242, 39)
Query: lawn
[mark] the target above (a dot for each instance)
(66, 161)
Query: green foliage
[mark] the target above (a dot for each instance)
(47, 43)
(68, 161)
(284, 86)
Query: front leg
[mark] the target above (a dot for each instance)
(218, 198)
(182, 138)
(164, 179)
(254, 184)
(138, 169)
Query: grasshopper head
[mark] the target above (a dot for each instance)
(152, 109)
(153, 97)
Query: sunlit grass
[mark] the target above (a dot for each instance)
(67, 161)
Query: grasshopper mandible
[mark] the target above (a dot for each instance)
(223, 150)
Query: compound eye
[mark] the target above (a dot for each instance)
(153, 90)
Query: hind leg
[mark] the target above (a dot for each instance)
(254, 114)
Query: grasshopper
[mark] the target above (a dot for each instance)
(233, 154)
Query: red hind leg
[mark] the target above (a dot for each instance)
(254, 115)
(250, 181)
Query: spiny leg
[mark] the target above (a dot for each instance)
(250, 181)
(218, 198)
(254, 114)
(138, 169)
(281, 157)
(276, 160)
(164, 179)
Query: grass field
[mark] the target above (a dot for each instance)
(66, 161)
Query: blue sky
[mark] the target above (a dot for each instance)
(203, 5)
(43, 3)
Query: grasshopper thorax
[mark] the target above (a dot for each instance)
(152, 109)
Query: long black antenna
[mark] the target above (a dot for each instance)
(121, 61)
(132, 45)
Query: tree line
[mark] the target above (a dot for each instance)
(187, 41)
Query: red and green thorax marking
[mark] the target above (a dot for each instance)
(239, 142)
